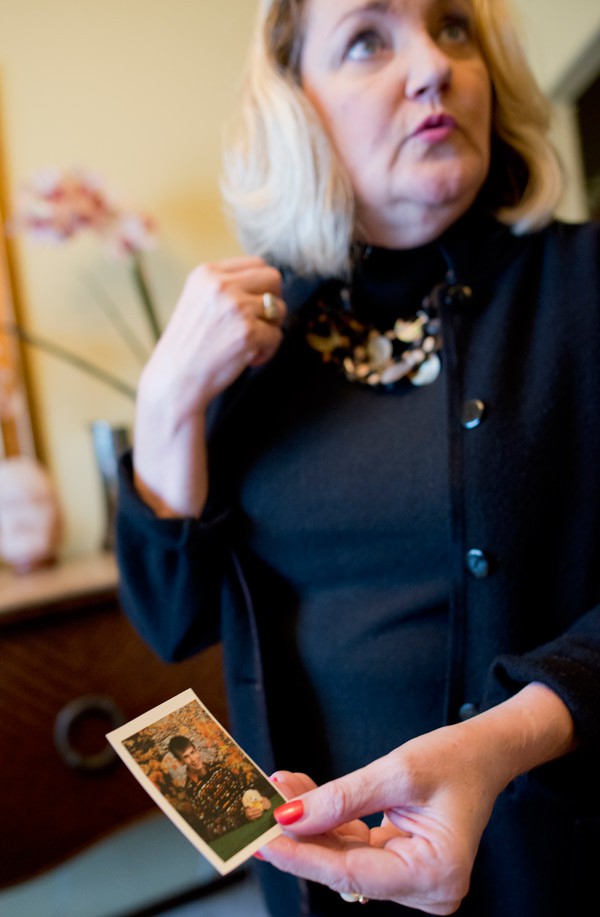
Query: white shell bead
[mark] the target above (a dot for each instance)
(427, 371)
(407, 332)
(379, 350)
(395, 372)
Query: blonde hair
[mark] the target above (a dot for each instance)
(289, 194)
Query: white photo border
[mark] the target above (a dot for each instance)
(117, 738)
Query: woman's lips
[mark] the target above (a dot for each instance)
(435, 128)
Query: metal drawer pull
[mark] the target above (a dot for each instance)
(89, 706)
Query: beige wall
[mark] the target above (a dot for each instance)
(137, 91)
(563, 43)
(558, 34)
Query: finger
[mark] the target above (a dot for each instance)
(258, 288)
(251, 274)
(233, 281)
(374, 872)
(402, 875)
(379, 837)
(364, 792)
(260, 280)
(292, 784)
(357, 831)
(271, 309)
(238, 263)
(266, 344)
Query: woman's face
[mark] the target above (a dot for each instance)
(406, 98)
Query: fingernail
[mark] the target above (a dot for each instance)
(289, 812)
(274, 779)
(258, 855)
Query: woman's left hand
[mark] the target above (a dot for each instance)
(436, 791)
(422, 853)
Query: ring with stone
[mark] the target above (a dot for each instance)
(269, 304)
(354, 898)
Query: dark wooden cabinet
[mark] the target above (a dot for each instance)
(70, 666)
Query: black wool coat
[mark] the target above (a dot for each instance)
(522, 363)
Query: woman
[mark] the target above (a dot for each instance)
(366, 458)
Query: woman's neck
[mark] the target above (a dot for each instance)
(413, 230)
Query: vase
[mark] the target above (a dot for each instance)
(109, 442)
(30, 515)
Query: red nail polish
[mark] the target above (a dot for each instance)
(289, 812)
(258, 856)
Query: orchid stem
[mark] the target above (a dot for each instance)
(116, 319)
(143, 289)
(34, 340)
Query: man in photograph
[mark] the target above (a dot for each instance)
(218, 797)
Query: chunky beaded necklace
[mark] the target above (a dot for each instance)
(374, 357)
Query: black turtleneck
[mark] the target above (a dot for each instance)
(345, 505)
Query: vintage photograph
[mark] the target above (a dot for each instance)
(201, 778)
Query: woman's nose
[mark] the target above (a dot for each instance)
(429, 71)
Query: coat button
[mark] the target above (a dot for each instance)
(466, 711)
(478, 563)
(472, 413)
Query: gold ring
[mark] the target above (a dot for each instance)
(354, 898)
(269, 303)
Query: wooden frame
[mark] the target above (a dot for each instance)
(586, 106)
(16, 434)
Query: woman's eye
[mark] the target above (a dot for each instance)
(364, 46)
(456, 31)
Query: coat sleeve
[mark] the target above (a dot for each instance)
(542, 499)
(570, 666)
(170, 572)
(174, 572)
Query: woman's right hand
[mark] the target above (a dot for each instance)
(217, 330)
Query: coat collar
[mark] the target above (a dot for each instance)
(476, 249)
